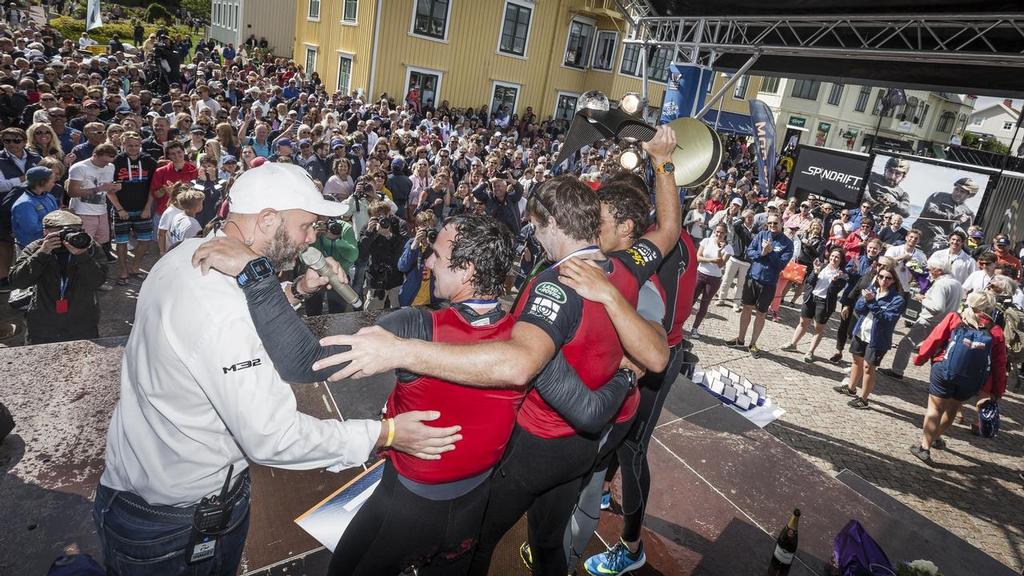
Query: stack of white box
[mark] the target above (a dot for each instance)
(730, 387)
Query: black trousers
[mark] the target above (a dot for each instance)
(540, 477)
(397, 529)
(845, 329)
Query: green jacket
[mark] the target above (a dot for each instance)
(345, 249)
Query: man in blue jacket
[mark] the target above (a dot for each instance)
(768, 253)
(33, 202)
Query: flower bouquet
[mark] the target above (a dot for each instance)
(918, 568)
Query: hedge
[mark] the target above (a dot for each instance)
(72, 28)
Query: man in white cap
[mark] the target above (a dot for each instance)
(200, 398)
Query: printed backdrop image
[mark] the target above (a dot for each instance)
(934, 199)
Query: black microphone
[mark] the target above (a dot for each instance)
(314, 259)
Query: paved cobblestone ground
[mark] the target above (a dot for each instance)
(973, 490)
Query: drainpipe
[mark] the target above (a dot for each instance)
(373, 52)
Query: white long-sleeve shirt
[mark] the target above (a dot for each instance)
(199, 393)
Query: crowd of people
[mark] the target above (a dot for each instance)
(236, 161)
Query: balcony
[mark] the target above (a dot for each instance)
(596, 8)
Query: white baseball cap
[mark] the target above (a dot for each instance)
(279, 186)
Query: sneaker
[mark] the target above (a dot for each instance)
(618, 560)
(526, 556)
(836, 358)
(844, 389)
(924, 455)
(5, 285)
(722, 303)
(694, 334)
(939, 443)
(755, 352)
(789, 348)
(809, 358)
(858, 403)
(891, 373)
(606, 500)
(737, 309)
(735, 343)
(106, 287)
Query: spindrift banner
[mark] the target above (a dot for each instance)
(763, 125)
(828, 175)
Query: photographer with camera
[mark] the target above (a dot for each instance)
(380, 246)
(416, 289)
(337, 240)
(357, 206)
(66, 268)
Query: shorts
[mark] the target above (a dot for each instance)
(142, 227)
(871, 355)
(817, 308)
(97, 226)
(958, 390)
(758, 295)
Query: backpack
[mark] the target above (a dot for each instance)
(1013, 332)
(968, 355)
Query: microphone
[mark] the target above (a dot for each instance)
(314, 259)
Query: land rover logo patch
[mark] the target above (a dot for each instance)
(552, 291)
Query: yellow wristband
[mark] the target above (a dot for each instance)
(391, 432)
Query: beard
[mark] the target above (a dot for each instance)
(283, 251)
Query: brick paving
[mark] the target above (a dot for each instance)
(973, 490)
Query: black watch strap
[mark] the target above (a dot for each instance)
(255, 271)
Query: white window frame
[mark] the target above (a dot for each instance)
(529, 28)
(568, 35)
(558, 96)
(978, 121)
(216, 13)
(440, 81)
(447, 25)
(519, 94)
(342, 55)
(766, 80)
(615, 47)
(307, 69)
(1007, 125)
(354, 21)
(236, 17)
(636, 69)
(309, 11)
(668, 67)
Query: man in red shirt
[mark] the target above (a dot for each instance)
(1001, 248)
(177, 170)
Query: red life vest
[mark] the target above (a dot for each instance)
(675, 280)
(486, 415)
(594, 352)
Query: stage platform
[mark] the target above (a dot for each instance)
(722, 486)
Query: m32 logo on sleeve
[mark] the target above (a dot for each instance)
(544, 308)
(641, 254)
(242, 365)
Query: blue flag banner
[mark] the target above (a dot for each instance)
(763, 127)
(687, 88)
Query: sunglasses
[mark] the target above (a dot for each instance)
(13, 140)
(885, 277)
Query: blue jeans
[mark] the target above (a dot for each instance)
(141, 539)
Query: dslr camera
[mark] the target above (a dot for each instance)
(76, 237)
(334, 226)
(389, 222)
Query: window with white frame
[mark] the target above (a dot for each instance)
(344, 73)
(310, 61)
(604, 54)
(431, 19)
(946, 121)
(314, 10)
(835, 95)
(657, 64)
(806, 89)
(505, 95)
(236, 16)
(862, 99)
(565, 108)
(1007, 126)
(770, 85)
(216, 13)
(739, 91)
(515, 28)
(581, 39)
(630, 60)
(978, 120)
(349, 10)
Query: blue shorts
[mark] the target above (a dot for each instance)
(956, 389)
(142, 227)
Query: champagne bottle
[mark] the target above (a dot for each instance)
(785, 545)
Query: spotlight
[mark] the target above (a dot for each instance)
(631, 103)
(629, 159)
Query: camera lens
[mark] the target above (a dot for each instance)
(431, 236)
(334, 227)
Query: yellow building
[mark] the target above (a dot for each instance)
(524, 53)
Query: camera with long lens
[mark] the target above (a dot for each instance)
(431, 236)
(76, 237)
(389, 222)
(334, 226)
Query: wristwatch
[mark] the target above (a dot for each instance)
(255, 271)
(666, 168)
(630, 375)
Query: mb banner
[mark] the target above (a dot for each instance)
(763, 124)
(687, 87)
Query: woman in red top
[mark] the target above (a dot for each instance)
(946, 394)
(858, 239)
